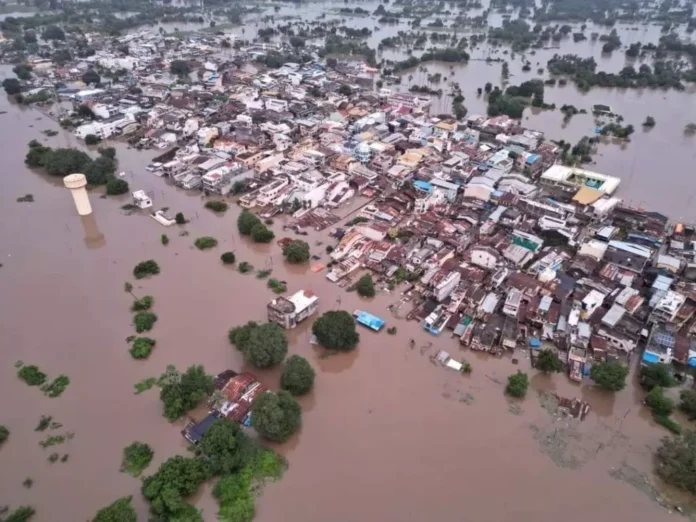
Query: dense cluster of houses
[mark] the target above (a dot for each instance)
(504, 246)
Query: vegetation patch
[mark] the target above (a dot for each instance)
(142, 347)
(205, 243)
(56, 387)
(21, 514)
(298, 375)
(276, 416)
(4, 434)
(145, 385)
(146, 268)
(365, 286)
(335, 330)
(245, 267)
(144, 321)
(263, 345)
(609, 376)
(276, 286)
(120, 510)
(27, 198)
(136, 457)
(228, 258)
(216, 206)
(517, 385)
(180, 393)
(143, 304)
(296, 252)
(263, 274)
(32, 375)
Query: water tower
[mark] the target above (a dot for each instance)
(77, 183)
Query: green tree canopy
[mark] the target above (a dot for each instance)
(298, 375)
(276, 416)
(609, 375)
(660, 405)
(116, 187)
(246, 222)
(91, 76)
(262, 234)
(61, 162)
(226, 447)
(176, 479)
(653, 375)
(517, 385)
(263, 345)
(335, 330)
(548, 362)
(179, 68)
(12, 86)
(676, 461)
(365, 286)
(345, 90)
(136, 457)
(119, 511)
(296, 251)
(53, 32)
(687, 403)
(181, 393)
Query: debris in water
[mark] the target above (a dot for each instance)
(640, 481)
(27, 198)
(467, 399)
(515, 409)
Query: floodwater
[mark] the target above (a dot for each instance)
(386, 434)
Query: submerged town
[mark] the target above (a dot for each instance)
(492, 237)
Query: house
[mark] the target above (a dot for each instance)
(667, 307)
(628, 255)
(195, 431)
(289, 311)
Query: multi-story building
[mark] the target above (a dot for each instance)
(289, 311)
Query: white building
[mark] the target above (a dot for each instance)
(446, 286)
(289, 311)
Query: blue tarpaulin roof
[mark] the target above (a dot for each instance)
(534, 343)
(423, 185)
(367, 319)
(650, 358)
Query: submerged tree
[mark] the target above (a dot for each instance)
(181, 393)
(609, 375)
(548, 362)
(298, 375)
(335, 330)
(276, 416)
(118, 511)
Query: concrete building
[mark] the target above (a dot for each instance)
(289, 311)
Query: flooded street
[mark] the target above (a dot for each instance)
(386, 434)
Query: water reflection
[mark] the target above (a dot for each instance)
(334, 362)
(93, 236)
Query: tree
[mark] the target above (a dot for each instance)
(459, 110)
(205, 243)
(119, 511)
(181, 393)
(488, 87)
(30, 37)
(176, 479)
(142, 347)
(263, 345)
(335, 330)
(226, 447)
(676, 461)
(146, 268)
(296, 252)
(53, 32)
(107, 152)
(653, 375)
(517, 385)
(687, 403)
(261, 233)
(116, 187)
(246, 222)
(548, 362)
(298, 375)
(32, 375)
(23, 71)
(12, 86)
(91, 76)
(21, 514)
(216, 206)
(179, 68)
(136, 457)
(180, 219)
(85, 111)
(297, 42)
(144, 321)
(610, 376)
(365, 286)
(345, 90)
(660, 405)
(4, 434)
(649, 122)
(228, 258)
(276, 416)
(100, 171)
(61, 162)
(92, 139)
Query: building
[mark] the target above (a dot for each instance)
(289, 311)
(628, 255)
(575, 178)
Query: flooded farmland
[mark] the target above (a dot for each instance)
(386, 434)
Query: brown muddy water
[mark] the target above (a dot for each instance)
(386, 434)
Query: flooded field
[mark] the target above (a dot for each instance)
(387, 434)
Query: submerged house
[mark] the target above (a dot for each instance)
(289, 311)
